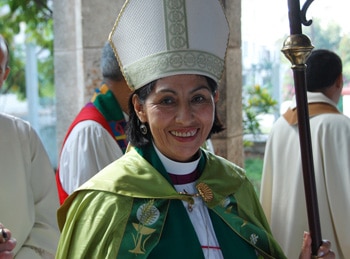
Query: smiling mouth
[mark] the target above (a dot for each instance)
(184, 134)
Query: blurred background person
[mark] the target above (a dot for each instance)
(97, 135)
(282, 187)
(29, 195)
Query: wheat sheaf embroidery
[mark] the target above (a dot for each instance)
(147, 214)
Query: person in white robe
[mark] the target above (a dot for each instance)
(282, 187)
(96, 137)
(29, 199)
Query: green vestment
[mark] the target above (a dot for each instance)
(131, 210)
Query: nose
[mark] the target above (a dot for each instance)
(184, 113)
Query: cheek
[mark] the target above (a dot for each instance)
(207, 114)
(158, 117)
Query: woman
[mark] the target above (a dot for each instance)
(167, 197)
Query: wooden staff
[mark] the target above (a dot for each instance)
(297, 47)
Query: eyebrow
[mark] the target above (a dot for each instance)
(198, 88)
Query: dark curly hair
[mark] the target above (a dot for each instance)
(134, 135)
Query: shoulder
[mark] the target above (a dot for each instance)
(278, 123)
(92, 204)
(14, 122)
(335, 117)
(222, 164)
(15, 126)
(87, 126)
(223, 176)
(124, 171)
(89, 130)
(333, 122)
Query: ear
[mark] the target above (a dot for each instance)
(216, 96)
(139, 108)
(339, 81)
(7, 72)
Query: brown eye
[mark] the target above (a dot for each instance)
(199, 99)
(167, 101)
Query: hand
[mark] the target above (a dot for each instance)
(7, 243)
(324, 252)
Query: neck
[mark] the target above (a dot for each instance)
(120, 91)
(333, 93)
(174, 167)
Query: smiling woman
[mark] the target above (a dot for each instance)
(179, 113)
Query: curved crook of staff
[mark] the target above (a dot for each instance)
(297, 47)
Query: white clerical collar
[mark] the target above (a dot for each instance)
(178, 168)
(314, 97)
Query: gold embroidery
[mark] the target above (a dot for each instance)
(205, 192)
(147, 214)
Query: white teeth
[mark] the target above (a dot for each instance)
(183, 134)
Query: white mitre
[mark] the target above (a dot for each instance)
(153, 39)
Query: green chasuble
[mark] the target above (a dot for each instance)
(131, 210)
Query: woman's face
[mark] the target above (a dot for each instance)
(180, 114)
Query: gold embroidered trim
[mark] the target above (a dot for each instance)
(205, 192)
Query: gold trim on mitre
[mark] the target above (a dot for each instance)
(159, 38)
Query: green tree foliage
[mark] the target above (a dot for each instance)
(324, 37)
(31, 19)
(258, 101)
(345, 55)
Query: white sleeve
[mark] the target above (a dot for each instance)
(30, 201)
(87, 150)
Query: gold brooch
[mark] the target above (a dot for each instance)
(205, 192)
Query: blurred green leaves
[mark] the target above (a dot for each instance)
(22, 22)
(257, 101)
